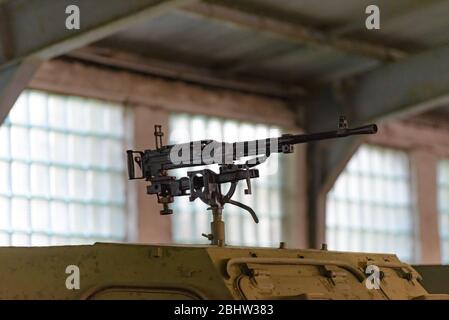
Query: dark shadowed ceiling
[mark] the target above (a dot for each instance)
(282, 48)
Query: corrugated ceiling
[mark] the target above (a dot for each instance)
(182, 37)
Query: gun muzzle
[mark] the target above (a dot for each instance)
(368, 129)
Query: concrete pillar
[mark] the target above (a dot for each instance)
(424, 167)
(295, 226)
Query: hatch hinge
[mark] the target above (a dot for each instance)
(336, 275)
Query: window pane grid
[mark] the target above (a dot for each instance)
(61, 165)
(62, 171)
(443, 207)
(117, 204)
(192, 219)
(370, 206)
(49, 128)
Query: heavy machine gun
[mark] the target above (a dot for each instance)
(206, 184)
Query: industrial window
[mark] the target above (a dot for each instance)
(61, 171)
(190, 219)
(443, 207)
(370, 206)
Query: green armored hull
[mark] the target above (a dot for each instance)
(128, 271)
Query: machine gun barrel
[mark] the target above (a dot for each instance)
(340, 133)
(284, 143)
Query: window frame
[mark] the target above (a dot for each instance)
(49, 164)
(413, 206)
